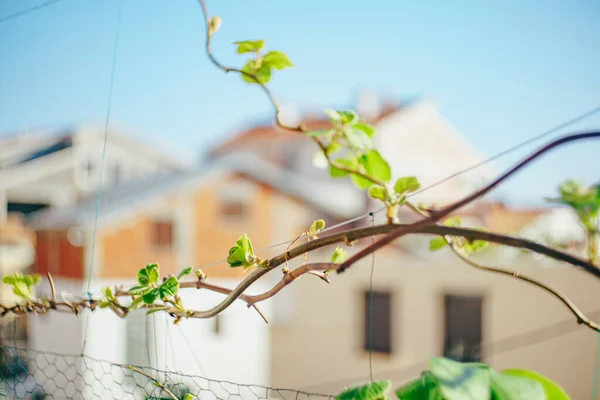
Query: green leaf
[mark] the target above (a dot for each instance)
(136, 303)
(339, 255)
(242, 253)
(316, 227)
(169, 287)
(459, 381)
(437, 243)
(277, 60)
(368, 391)
(9, 279)
(407, 184)
(333, 115)
(249, 46)
(506, 387)
(552, 389)
(261, 73)
(21, 289)
(335, 172)
(455, 222)
(148, 275)
(378, 192)
(32, 279)
(334, 147)
(361, 182)
(188, 396)
(376, 166)
(155, 309)
(358, 138)
(348, 117)
(139, 290)
(320, 132)
(366, 128)
(184, 272)
(151, 296)
(107, 295)
(423, 388)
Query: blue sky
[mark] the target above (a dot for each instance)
(499, 71)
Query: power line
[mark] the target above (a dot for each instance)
(554, 129)
(28, 10)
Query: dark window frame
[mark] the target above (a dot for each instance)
(381, 340)
(467, 312)
(163, 233)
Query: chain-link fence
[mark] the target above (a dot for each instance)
(36, 375)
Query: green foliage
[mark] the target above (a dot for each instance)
(259, 69)
(184, 273)
(249, 46)
(22, 284)
(552, 389)
(107, 297)
(467, 246)
(407, 184)
(339, 255)
(242, 254)
(584, 200)
(452, 380)
(376, 390)
(437, 243)
(148, 275)
(316, 227)
(378, 192)
(376, 166)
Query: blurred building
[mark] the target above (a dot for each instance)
(154, 208)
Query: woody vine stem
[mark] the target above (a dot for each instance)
(347, 150)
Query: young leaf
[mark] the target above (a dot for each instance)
(242, 254)
(423, 388)
(9, 279)
(361, 182)
(455, 222)
(215, 24)
(32, 279)
(378, 192)
(358, 138)
(407, 184)
(148, 275)
(369, 391)
(136, 303)
(348, 117)
(376, 166)
(506, 387)
(339, 255)
(333, 147)
(184, 273)
(552, 389)
(139, 290)
(437, 243)
(336, 173)
(316, 227)
(333, 115)
(458, 381)
(249, 46)
(151, 296)
(262, 73)
(169, 287)
(21, 289)
(366, 128)
(277, 60)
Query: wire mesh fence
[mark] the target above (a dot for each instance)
(36, 375)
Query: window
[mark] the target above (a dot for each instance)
(378, 329)
(463, 328)
(162, 232)
(233, 209)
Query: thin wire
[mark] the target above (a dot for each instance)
(99, 195)
(513, 148)
(571, 121)
(192, 350)
(28, 10)
(597, 366)
(371, 305)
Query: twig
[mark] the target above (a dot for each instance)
(157, 383)
(436, 215)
